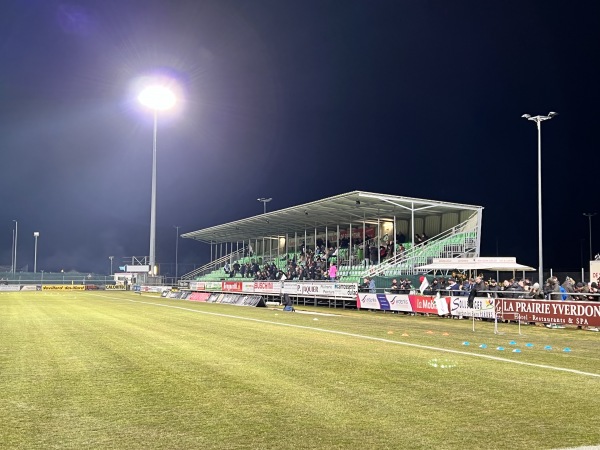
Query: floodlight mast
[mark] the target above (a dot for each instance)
(157, 98)
(538, 120)
(264, 202)
(36, 234)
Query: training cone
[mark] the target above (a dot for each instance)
(512, 343)
(390, 332)
(429, 332)
(500, 348)
(516, 350)
(404, 334)
(529, 344)
(466, 343)
(567, 349)
(547, 347)
(483, 346)
(445, 334)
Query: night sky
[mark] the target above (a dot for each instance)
(294, 100)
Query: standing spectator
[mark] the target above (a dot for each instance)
(373, 254)
(478, 287)
(332, 271)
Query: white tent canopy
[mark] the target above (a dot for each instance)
(498, 264)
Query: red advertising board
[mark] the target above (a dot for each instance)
(550, 311)
(425, 303)
(199, 296)
(232, 286)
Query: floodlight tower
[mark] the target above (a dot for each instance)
(157, 98)
(36, 234)
(538, 120)
(264, 202)
(16, 236)
(589, 216)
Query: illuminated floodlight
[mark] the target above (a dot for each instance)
(157, 97)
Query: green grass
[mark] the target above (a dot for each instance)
(114, 370)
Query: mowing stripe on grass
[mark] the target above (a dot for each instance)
(360, 336)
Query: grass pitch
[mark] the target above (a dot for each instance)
(120, 370)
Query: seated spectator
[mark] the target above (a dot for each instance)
(394, 288)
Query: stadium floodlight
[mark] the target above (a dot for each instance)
(589, 216)
(264, 202)
(158, 98)
(36, 234)
(15, 242)
(538, 120)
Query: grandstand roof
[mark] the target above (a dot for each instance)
(353, 207)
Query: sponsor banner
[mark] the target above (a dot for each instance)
(31, 287)
(399, 302)
(183, 284)
(346, 289)
(483, 307)
(383, 302)
(212, 286)
(10, 287)
(155, 289)
(323, 289)
(197, 285)
(248, 286)
(232, 286)
(199, 296)
(291, 287)
(266, 287)
(63, 287)
(229, 299)
(595, 271)
(550, 311)
(115, 287)
(423, 304)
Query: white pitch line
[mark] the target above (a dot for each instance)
(370, 338)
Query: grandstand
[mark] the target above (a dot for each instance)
(346, 222)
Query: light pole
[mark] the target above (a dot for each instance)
(264, 202)
(16, 241)
(177, 227)
(157, 98)
(111, 260)
(589, 216)
(538, 120)
(36, 234)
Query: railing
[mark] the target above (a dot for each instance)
(440, 246)
(213, 265)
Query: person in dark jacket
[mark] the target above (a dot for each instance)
(477, 287)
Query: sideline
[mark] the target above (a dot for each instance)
(359, 336)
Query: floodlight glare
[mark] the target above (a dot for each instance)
(159, 98)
